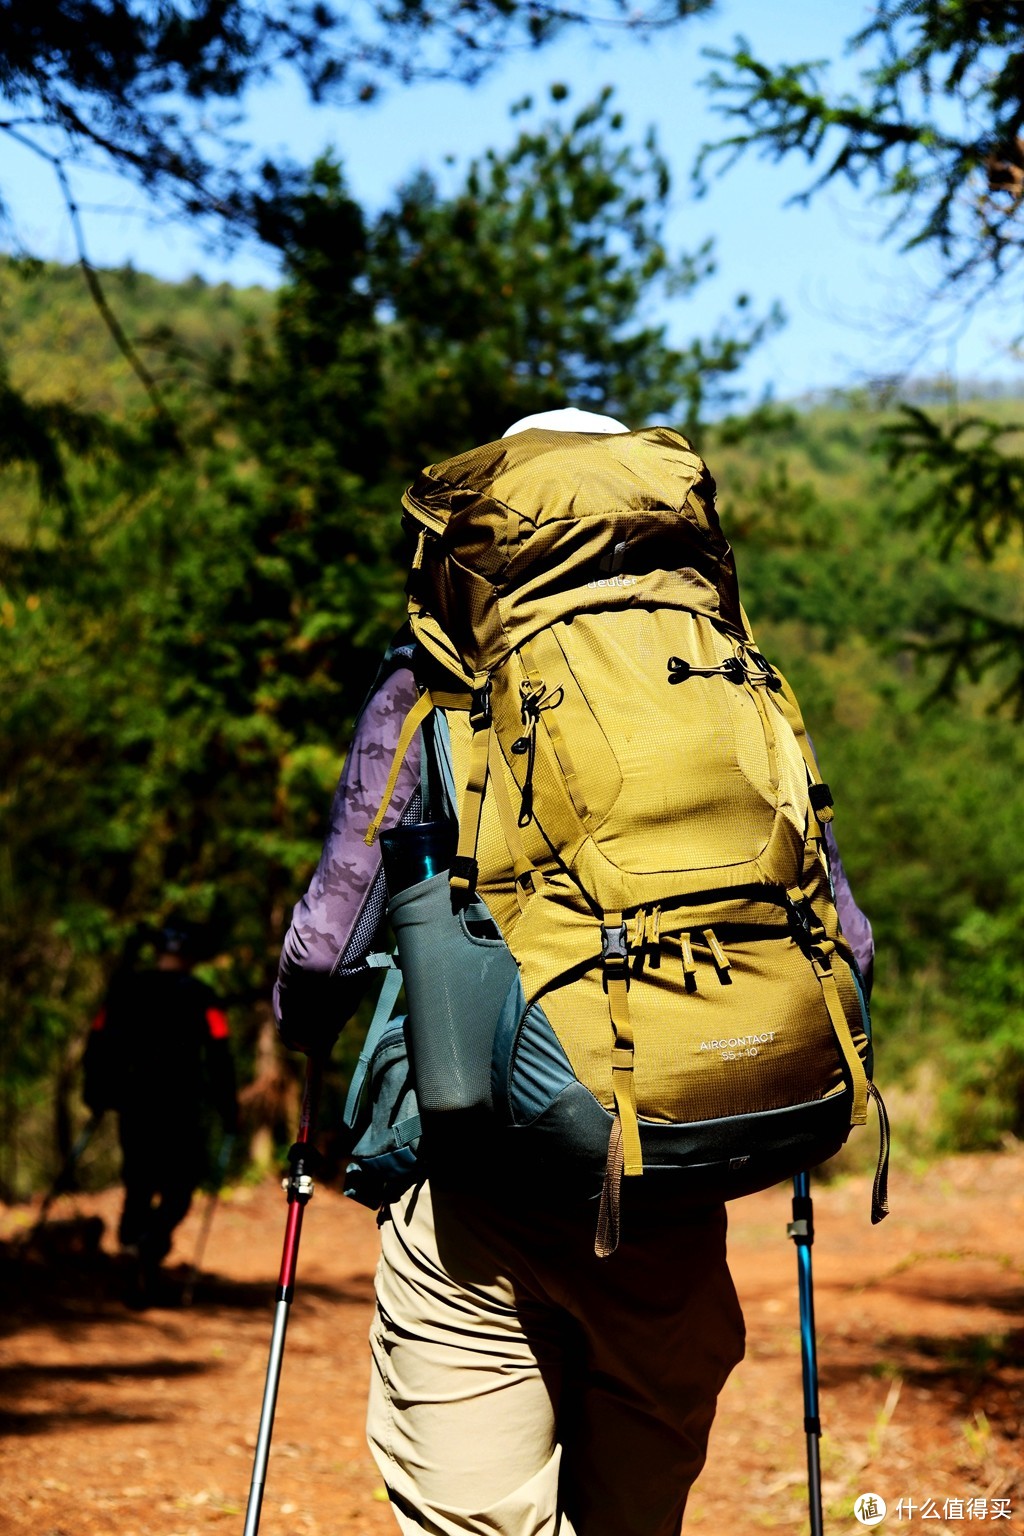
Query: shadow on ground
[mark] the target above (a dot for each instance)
(61, 1274)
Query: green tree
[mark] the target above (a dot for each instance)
(158, 95)
(188, 646)
(539, 281)
(156, 92)
(936, 129)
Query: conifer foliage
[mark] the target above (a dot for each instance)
(192, 624)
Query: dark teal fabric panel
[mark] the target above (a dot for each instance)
(540, 1068)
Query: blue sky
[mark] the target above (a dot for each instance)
(854, 302)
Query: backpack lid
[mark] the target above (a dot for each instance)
(535, 520)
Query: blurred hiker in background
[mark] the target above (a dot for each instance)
(160, 1057)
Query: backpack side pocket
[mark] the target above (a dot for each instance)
(381, 1114)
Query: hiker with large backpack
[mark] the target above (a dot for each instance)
(633, 971)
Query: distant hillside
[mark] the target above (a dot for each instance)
(57, 346)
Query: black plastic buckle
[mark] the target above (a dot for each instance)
(733, 669)
(807, 929)
(678, 669)
(465, 868)
(800, 917)
(480, 707)
(773, 680)
(614, 949)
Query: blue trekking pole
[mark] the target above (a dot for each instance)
(801, 1230)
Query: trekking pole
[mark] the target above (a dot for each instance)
(63, 1180)
(223, 1158)
(299, 1189)
(801, 1230)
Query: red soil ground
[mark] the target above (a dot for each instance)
(121, 1423)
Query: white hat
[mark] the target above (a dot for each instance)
(568, 420)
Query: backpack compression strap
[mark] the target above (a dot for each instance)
(464, 866)
(625, 1154)
(821, 950)
(615, 958)
(819, 795)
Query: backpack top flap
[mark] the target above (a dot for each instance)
(521, 531)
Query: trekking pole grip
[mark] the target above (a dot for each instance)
(298, 1186)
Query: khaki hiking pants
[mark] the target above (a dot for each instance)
(524, 1387)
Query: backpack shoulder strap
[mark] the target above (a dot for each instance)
(411, 724)
(437, 781)
(464, 866)
(818, 793)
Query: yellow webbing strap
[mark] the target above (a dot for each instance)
(689, 965)
(787, 702)
(768, 726)
(804, 744)
(527, 878)
(833, 1002)
(463, 875)
(822, 948)
(817, 815)
(718, 954)
(652, 938)
(623, 1083)
(411, 724)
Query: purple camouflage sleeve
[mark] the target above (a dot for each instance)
(337, 922)
(854, 924)
(852, 920)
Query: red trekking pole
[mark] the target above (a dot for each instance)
(299, 1188)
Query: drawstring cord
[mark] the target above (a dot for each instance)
(734, 668)
(533, 699)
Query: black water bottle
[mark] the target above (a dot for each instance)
(415, 853)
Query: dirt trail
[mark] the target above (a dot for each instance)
(119, 1423)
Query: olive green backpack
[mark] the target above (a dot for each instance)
(640, 813)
